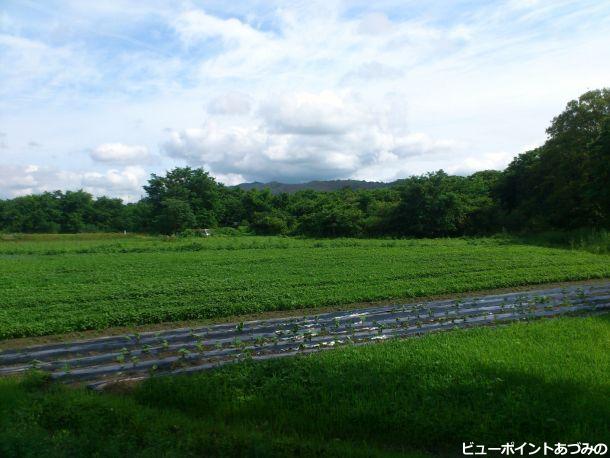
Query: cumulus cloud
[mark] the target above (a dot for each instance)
(120, 153)
(125, 183)
(288, 91)
(306, 113)
(18, 180)
(301, 136)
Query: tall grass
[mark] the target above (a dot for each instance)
(591, 240)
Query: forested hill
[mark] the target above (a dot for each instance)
(325, 186)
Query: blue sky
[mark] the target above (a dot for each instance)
(98, 95)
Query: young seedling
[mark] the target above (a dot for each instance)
(183, 353)
(336, 324)
(238, 343)
(247, 354)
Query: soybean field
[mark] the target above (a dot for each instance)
(58, 284)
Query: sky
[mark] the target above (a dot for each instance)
(99, 95)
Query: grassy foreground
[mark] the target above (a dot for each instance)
(526, 382)
(56, 284)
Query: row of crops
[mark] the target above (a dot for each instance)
(101, 361)
(42, 294)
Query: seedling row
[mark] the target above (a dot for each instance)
(101, 361)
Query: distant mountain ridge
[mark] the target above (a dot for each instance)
(317, 185)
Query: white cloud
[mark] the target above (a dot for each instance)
(38, 70)
(301, 136)
(307, 113)
(125, 183)
(288, 91)
(195, 25)
(120, 153)
(487, 161)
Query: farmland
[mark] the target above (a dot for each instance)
(536, 381)
(526, 382)
(107, 361)
(58, 284)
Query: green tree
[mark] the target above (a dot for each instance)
(194, 187)
(550, 187)
(33, 213)
(139, 217)
(77, 211)
(597, 188)
(269, 223)
(174, 216)
(109, 214)
(335, 218)
(429, 207)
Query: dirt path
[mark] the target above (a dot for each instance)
(102, 361)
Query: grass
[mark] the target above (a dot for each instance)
(58, 284)
(533, 382)
(594, 241)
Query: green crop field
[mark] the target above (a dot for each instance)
(56, 284)
(540, 381)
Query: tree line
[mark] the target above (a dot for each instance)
(563, 184)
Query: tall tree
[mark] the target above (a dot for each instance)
(549, 187)
(597, 188)
(195, 187)
(431, 206)
(174, 216)
(77, 211)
